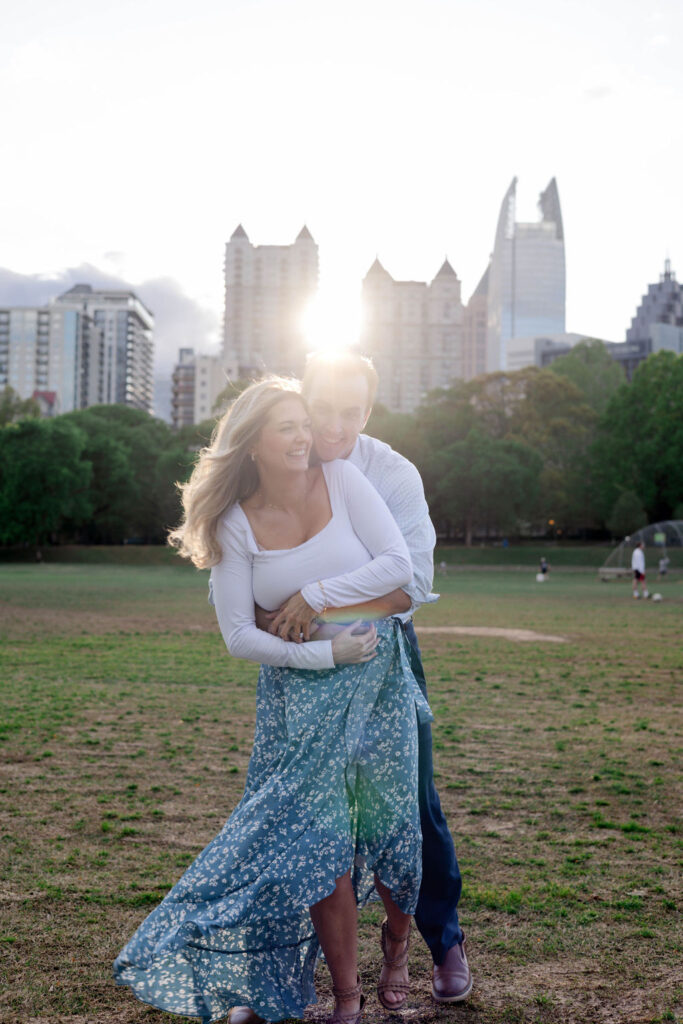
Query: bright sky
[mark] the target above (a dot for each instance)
(137, 135)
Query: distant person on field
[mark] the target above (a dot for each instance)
(638, 567)
(663, 567)
(543, 567)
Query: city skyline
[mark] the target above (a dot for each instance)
(389, 130)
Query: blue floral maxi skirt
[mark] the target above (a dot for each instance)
(332, 786)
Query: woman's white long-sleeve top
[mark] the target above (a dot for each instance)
(359, 555)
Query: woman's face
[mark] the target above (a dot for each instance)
(284, 443)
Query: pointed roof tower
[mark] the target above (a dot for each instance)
(549, 204)
(446, 270)
(239, 232)
(377, 270)
(505, 228)
(304, 235)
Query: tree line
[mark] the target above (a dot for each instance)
(102, 475)
(571, 450)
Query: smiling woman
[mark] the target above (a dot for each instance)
(330, 815)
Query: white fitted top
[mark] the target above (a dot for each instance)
(359, 555)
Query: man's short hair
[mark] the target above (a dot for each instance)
(344, 363)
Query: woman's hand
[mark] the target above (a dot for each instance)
(293, 620)
(349, 648)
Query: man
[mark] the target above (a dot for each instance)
(339, 390)
(638, 567)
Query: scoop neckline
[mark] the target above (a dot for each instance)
(297, 547)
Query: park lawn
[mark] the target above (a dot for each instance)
(126, 732)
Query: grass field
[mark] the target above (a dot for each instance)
(126, 733)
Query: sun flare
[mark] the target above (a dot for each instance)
(331, 321)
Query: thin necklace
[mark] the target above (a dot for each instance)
(269, 504)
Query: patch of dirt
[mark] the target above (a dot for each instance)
(18, 620)
(30, 621)
(518, 635)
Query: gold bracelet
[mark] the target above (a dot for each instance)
(322, 589)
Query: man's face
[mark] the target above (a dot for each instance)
(339, 410)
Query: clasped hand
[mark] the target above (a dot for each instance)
(294, 620)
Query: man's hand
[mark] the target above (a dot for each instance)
(263, 618)
(293, 620)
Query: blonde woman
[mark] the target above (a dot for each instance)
(329, 818)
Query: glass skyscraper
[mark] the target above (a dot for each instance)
(526, 284)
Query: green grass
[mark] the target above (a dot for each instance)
(125, 733)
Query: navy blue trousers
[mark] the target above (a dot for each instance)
(436, 915)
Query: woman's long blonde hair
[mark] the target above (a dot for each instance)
(224, 472)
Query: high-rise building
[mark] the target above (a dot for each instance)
(39, 349)
(659, 317)
(413, 331)
(267, 291)
(88, 347)
(475, 325)
(210, 381)
(526, 282)
(196, 383)
(115, 350)
(656, 327)
(182, 389)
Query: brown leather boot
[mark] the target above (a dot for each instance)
(452, 980)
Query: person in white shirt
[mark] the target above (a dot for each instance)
(330, 816)
(340, 390)
(638, 567)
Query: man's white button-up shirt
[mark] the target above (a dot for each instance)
(399, 483)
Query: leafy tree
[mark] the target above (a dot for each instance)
(639, 446)
(14, 408)
(112, 490)
(173, 466)
(552, 417)
(536, 408)
(43, 479)
(627, 516)
(136, 461)
(484, 482)
(590, 366)
(195, 435)
(400, 430)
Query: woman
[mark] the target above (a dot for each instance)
(330, 811)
